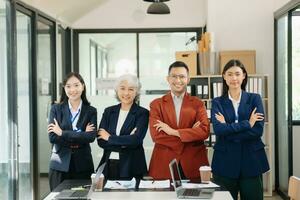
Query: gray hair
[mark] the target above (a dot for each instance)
(132, 81)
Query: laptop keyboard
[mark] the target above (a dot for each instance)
(191, 192)
(80, 193)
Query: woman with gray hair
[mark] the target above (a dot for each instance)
(122, 130)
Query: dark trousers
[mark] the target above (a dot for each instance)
(113, 172)
(250, 188)
(113, 167)
(57, 177)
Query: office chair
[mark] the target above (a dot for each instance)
(294, 188)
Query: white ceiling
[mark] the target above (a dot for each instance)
(67, 11)
(102, 13)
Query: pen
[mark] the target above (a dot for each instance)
(77, 188)
(86, 186)
(118, 183)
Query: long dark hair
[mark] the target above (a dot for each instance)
(64, 98)
(234, 63)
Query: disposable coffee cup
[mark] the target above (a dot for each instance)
(93, 178)
(99, 183)
(205, 173)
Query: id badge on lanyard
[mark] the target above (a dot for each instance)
(74, 121)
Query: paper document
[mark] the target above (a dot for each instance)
(118, 184)
(200, 185)
(154, 184)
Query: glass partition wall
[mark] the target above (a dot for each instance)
(287, 87)
(282, 111)
(148, 55)
(28, 87)
(4, 157)
(45, 96)
(23, 26)
(296, 63)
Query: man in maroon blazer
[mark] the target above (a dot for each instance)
(178, 127)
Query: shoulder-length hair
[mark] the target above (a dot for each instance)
(132, 81)
(234, 63)
(64, 98)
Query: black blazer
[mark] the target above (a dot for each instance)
(61, 150)
(129, 146)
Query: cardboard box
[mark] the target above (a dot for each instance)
(189, 58)
(247, 57)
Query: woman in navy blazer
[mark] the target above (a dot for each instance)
(71, 129)
(237, 116)
(122, 130)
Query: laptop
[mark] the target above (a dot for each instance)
(187, 193)
(81, 194)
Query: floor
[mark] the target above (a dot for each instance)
(274, 197)
(44, 187)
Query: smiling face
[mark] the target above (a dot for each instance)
(74, 88)
(178, 79)
(126, 93)
(234, 77)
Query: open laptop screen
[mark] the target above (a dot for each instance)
(175, 173)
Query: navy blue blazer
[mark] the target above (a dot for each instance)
(239, 150)
(129, 146)
(61, 150)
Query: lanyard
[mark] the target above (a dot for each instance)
(236, 118)
(73, 118)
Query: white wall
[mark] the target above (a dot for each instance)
(132, 14)
(246, 25)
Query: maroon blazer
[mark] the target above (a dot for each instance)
(189, 149)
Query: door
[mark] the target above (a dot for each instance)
(23, 27)
(5, 136)
(282, 111)
(45, 95)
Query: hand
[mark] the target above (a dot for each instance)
(103, 134)
(255, 117)
(220, 118)
(89, 127)
(161, 126)
(54, 127)
(197, 124)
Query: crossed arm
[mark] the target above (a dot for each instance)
(67, 137)
(162, 133)
(243, 130)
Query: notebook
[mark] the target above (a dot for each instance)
(189, 193)
(81, 194)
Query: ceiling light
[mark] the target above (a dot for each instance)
(158, 7)
(155, 0)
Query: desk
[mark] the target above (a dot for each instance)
(168, 195)
(135, 195)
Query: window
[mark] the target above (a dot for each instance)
(23, 80)
(109, 55)
(4, 177)
(296, 64)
